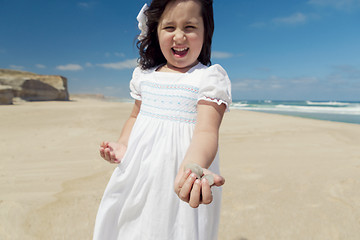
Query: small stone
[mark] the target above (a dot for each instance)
(209, 178)
(195, 168)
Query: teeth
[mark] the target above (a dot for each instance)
(180, 49)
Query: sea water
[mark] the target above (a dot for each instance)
(338, 111)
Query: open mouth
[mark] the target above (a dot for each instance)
(180, 52)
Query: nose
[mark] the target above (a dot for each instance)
(179, 36)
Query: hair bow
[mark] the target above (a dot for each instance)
(142, 19)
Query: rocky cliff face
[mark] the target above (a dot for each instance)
(6, 95)
(32, 87)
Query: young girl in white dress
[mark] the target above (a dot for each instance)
(179, 104)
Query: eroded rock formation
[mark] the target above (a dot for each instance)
(33, 87)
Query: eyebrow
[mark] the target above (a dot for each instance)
(167, 22)
(187, 22)
(192, 22)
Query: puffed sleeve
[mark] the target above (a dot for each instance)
(135, 90)
(215, 86)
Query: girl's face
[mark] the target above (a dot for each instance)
(181, 34)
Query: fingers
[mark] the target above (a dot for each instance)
(185, 190)
(195, 195)
(107, 153)
(195, 191)
(102, 152)
(206, 193)
(103, 146)
(182, 180)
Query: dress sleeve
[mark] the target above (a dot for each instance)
(216, 86)
(135, 90)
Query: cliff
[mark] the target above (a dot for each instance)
(32, 87)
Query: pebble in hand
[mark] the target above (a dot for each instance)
(195, 168)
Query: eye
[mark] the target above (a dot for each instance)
(190, 28)
(169, 28)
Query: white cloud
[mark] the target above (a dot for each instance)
(304, 80)
(217, 54)
(273, 83)
(127, 64)
(109, 88)
(258, 25)
(116, 54)
(89, 64)
(119, 54)
(69, 67)
(349, 69)
(347, 73)
(84, 5)
(341, 83)
(263, 69)
(40, 66)
(296, 18)
(249, 85)
(17, 67)
(338, 4)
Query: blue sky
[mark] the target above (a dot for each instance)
(280, 50)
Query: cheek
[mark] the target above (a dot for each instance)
(164, 39)
(197, 41)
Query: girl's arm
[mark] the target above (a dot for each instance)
(125, 133)
(114, 151)
(202, 150)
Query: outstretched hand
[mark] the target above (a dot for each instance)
(195, 191)
(112, 152)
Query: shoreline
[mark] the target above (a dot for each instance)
(286, 177)
(328, 117)
(325, 116)
(335, 111)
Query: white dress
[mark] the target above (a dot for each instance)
(139, 202)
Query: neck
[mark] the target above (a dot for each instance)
(170, 68)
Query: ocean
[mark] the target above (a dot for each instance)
(337, 111)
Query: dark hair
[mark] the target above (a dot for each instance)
(149, 47)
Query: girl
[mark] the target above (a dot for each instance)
(179, 105)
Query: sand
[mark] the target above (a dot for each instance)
(286, 177)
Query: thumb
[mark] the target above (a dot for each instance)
(218, 180)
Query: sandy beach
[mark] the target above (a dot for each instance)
(286, 177)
